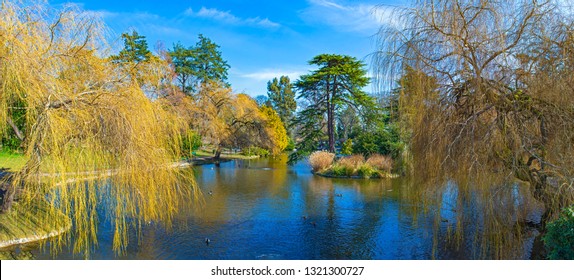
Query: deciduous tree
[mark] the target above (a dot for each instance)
(87, 118)
(487, 90)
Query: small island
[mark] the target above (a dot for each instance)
(353, 166)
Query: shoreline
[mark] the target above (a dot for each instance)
(387, 176)
(22, 226)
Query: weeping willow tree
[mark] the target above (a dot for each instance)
(227, 120)
(91, 135)
(484, 93)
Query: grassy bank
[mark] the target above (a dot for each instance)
(12, 161)
(203, 154)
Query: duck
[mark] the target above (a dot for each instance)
(207, 241)
(210, 193)
(339, 195)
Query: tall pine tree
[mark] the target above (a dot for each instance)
(338, 81)
(282, 98)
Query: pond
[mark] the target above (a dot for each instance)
(265, 209)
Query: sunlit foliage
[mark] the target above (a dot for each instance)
(197, 65)
(92, 136)
(276, 132)
(228, 120)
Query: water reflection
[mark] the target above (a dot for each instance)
(264, 209)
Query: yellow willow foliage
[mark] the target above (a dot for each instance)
(212, 112)
(225, 119)
(254, 126)
(276, 130)
(93, 139)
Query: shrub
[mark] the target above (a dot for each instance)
(341, 170)
(380, 162)
(338, 170)
(559, 238)
(190, 143)
(290, 145)
(366, 171)
(383, 141)
(255, 151)
(347, 148)
(321, 160)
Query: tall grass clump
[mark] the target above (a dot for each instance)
(380, 162)
(321, 160)
(352, 162)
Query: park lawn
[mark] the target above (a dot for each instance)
(12, 161)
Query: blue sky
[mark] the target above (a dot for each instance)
(260, 39)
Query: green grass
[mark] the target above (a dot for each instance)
(203, 153)
(12, 161)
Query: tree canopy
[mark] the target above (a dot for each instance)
(86, 118)
(486, 90)
(337, 82)
(228, 120)
(208, 63)
(198, 64)
(282, 98)
(135, 49)
(182, 59)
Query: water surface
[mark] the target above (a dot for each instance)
(264, 209)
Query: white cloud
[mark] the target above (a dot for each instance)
(366, 18)
(263, 22)
(227, 17)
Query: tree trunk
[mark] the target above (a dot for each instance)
(8, 191)
(330, 127)
(217, 156)
(330, 117)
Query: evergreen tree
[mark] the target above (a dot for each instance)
(338, 81)
(282, 98)
(208, 65)
(135, 49)
(198, 64)
(182, 59)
